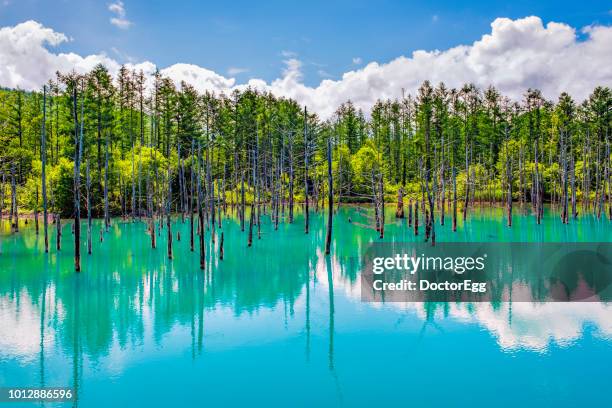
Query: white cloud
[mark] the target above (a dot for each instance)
(28, 64)
(201, 79)
(357, 61)
(119, 20)
(515, 55)
(236, 70)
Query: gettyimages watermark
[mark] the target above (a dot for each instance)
(487, 272)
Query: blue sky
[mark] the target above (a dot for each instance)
(329, 37)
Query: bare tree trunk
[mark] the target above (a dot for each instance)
(242, 201)
(573, 183)
(2, 197)
(58, 224)
(431, 224)
(375, 203)
(454, 199)
(201, 214)
(191, 215)
(278, 196)
(88, 185)
(443, 192)
(416, 217)
(139, 209)
(106, 214)
(151, 204)
(250, 234)
(252, 214)
(291, 178)
(382, 205)
(306, 209)
(467, 183)
(410, 213)
(537, 183)
(509, 180)
(43, 153)
(606, 181)
(399, 212)
(565, 171)
(36, 211)
(77, 190)
(330, 198)
(14, 205)
(133, 201)
(168, 212)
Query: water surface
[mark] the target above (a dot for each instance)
(280, 324)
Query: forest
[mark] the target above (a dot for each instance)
(93, 146)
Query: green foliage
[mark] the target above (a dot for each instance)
(410, 141)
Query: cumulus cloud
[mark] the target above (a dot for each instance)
(119, 20)
(357, 60)
(515, 55)
(201, 79)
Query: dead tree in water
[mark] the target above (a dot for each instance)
(168, 211)
(607, 179)
(443, 182)
(573, 183)
(200, 212)
(306, 209)
(150, 202)
(242, 201)
(191, 216)
(133, 201)
(291, 177)
(508, 180)
(454, 199)
(537, 184)
(410, 213)
(382, 205)
(14, 207)
(58, 224)
(2, 197)
(416, 217)
(88, 188)
(467, 182)
(277, 196)
(375, 202)
(430, 226)
(564, 178)
(181, 169)
(252, 214)
(257, 186)
(330, 198)
(106, 213)
(36, 210)
(43, 153)
(77, 179)
(399, 212)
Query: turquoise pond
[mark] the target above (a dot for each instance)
(282, 325)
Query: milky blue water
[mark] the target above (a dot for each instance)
(280, 324)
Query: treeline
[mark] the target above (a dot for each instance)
(136, 146)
